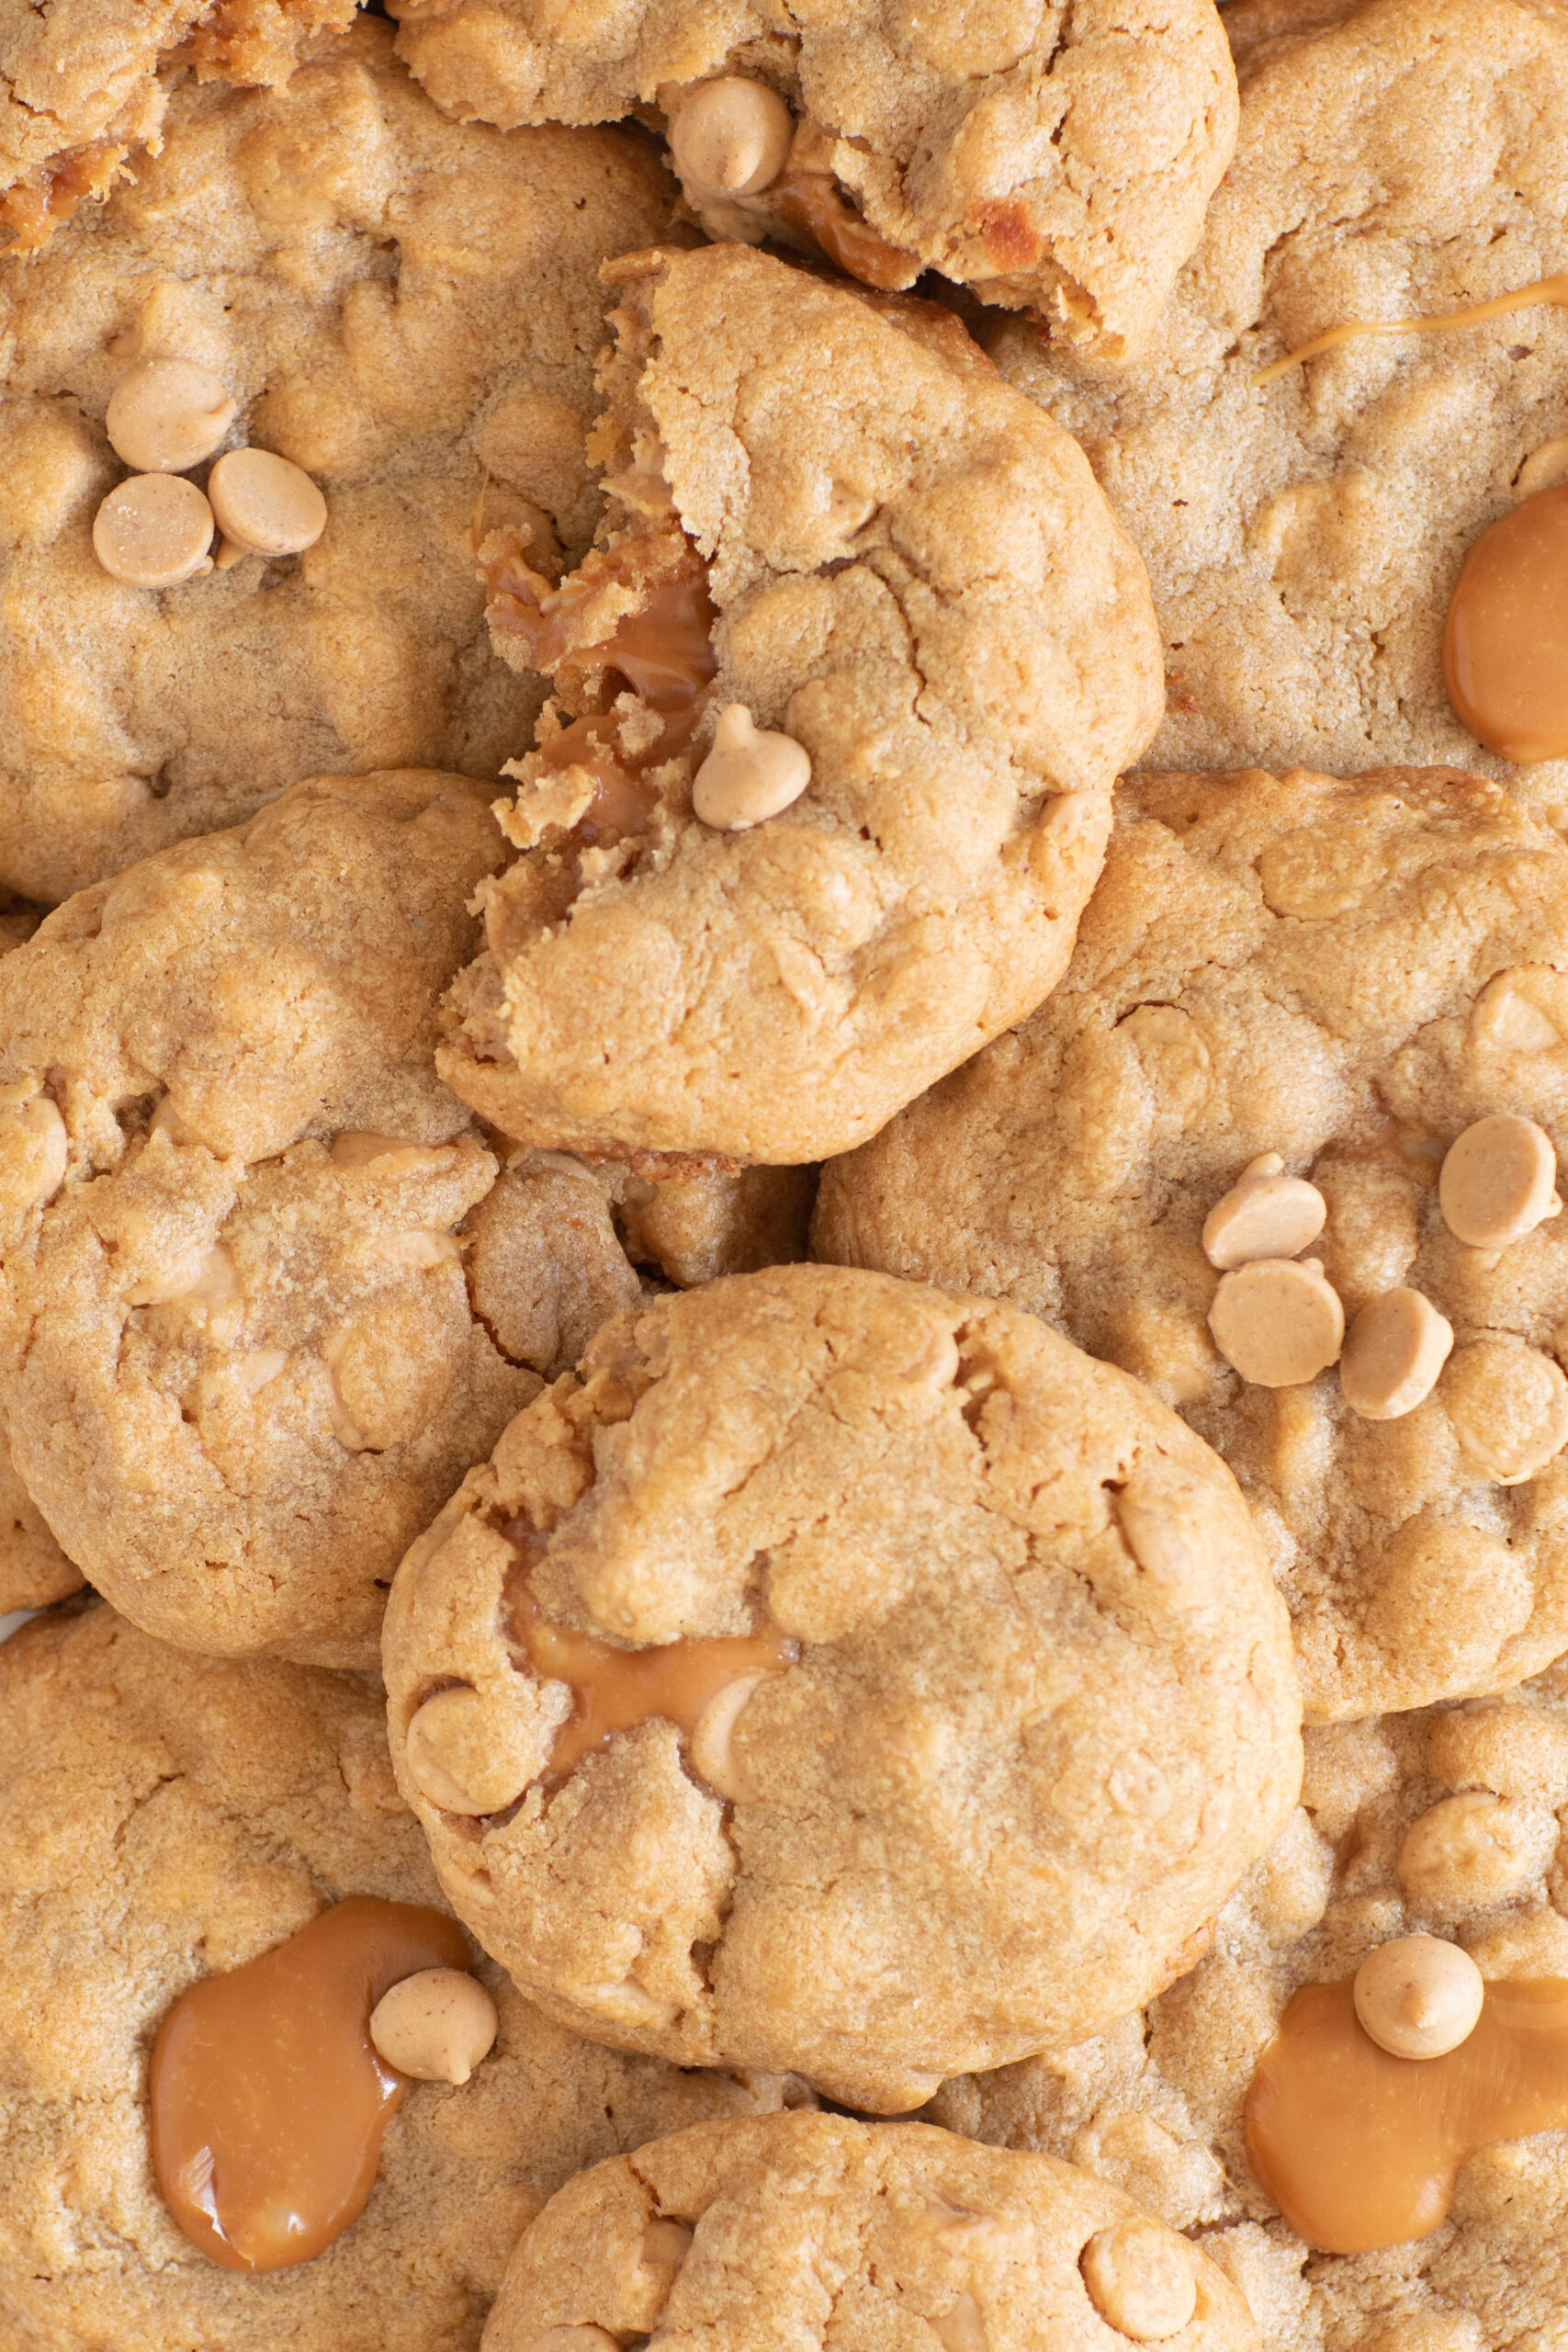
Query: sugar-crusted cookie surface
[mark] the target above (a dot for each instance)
(830, 510)
(165, 1817)
(1053, 157)
(405, 307)
(1349, 975)
(1032, 1716)
(821, 2230)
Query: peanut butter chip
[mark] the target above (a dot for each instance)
(1141, 2281)
(731, 137)
(436, 2025)
(166, 414)
(153, 531)
(1393, 1351)
(1277, 1321)
(751, 774)
(1265, 1214)
(1498, 1181)
(1505, 641)
(1418, 1996)
(456, 1761)
(264, 505)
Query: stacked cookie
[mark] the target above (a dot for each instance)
(700, 1355)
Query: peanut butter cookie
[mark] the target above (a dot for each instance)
(840, 695)
(1056, 159)
(839, 1676)
(1238, 1153)
(406, 311)
(168, 1819)
(813, 2229)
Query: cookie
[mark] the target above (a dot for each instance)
(168, 1819)
(834, 531)
(1349, 975)
(1057, 165)
(405, 309)
(838, 1676)
(264, 1293)
(1305, 536)
(1438, 1824)
(823, 2230)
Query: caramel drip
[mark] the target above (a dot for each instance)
(810, 201)
(1506, 639)
(1359, 2149)
(34, 209)
(1475, 314)
(268, 2101)
(614, 1689)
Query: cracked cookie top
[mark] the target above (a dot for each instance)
(168, 1817)
(825, 509)
(1341, 979)
(839, 1676)
(845, 2233)
(1053, 154)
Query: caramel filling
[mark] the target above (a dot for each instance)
(811, 201)
(34, 209)
(1475, 314)
(1360, 2149)
(613, 1689)
(268, 2101)
(1506, 639)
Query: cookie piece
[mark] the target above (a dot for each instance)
(1305, 537)
(1440, 1823)
(1054, 163)
(828, 512)
(249, 1344)
(1349, 975)
(167, 1817)
(406, 308)
(745, 2233)
(940, 1694)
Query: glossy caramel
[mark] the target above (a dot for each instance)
(1360, 2149)
(1549, 291)
(268, 2101)
(1506, 639)
(811, 201)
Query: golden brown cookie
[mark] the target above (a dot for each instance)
(166, 1818)
(405, 309)
(828, 517)
(816, 2229)
(1348, 976)
(841, 1676)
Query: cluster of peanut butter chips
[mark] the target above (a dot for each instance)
(784, 1034)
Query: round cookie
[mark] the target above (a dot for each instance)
(826, 510)
(818, 2228)
(1051, 162)
(1348, 975)
(264, 1294)
(839, 1676)
(165, 1817)
(1305, 537)
(403, 307)
(1442, 1823)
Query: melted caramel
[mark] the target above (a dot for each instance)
(614, 1689)
(811, 201)
(268, 2101)
(1359, 2149)
(1506, 639)
(1475, 314)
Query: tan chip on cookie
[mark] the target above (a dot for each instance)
(828, 513)
(1053, 159)
(840, 1676)
(1367, 980)
(816, 2229)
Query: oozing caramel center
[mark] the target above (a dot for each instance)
(268, 2100)
(1360, 2149)
(1505, 641)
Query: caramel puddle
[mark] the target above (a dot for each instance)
(1506, 639)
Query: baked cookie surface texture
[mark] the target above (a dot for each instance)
(1305, 537)
(812, 2230)
(830, 516)
(1052, 156)
(1348, 976)
(405, 309)
(168, 1818)
(838, 1676)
